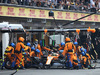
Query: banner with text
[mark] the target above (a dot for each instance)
(40, 13)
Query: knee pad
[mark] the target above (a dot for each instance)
(3, 64)
(69, 64)
(13, 64)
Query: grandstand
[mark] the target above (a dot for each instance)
(79, 5)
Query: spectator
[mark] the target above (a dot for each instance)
(65, 6)
(26, 2)
(99, 4)
(92, 3)
(68, 6)
(49, 3)
(33, 2)
(14, 2)
(61, 5)
(92, 6)
(81, 7)
(68, 1)
(85, 5)
(72, 5)
(77, 4)
(19, 2)
(38, 3)
(89, 8)
(30, 2)
(55, 3)
(52, 5)
(6, 1)
(96, 4)
(42, 2)
(58, 3)
(46, 3)
(86, 2)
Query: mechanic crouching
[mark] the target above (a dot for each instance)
(61, 49)
(85, 58)
(75, 61)
(9, 56)
(26, 53)
(78, 52)
(35, 57)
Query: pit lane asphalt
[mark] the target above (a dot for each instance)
(52, 72)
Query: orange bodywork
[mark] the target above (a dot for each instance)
(51, 57)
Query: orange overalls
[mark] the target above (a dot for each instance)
(32, 54)
(27, 51)
(85, 59)
(75, 61)
(9, 51)
(61, 48)
(78, 50)
(68, 49)
(88, 57)
(39, 47)
(34, 61)
(18, 53)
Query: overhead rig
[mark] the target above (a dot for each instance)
(49, 30)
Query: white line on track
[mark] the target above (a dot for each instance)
(6, 72)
